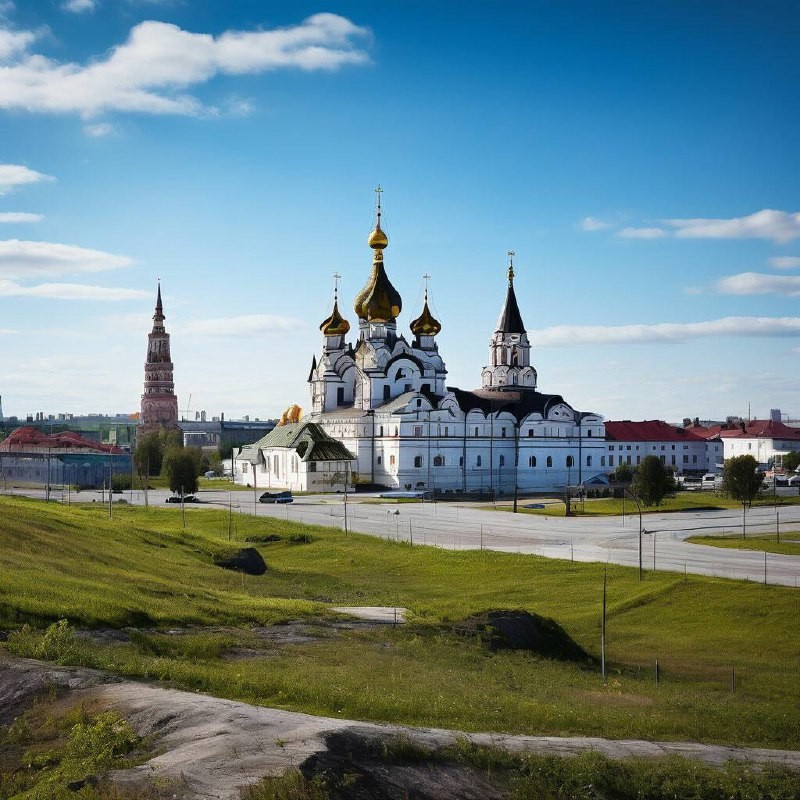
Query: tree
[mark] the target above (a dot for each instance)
(791, 461)
(180, 467)
(741, 481)
(652, 481)
(624, 473)
(150, 450)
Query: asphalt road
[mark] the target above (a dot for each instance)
(464, 526)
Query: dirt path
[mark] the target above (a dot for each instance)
(208, 748)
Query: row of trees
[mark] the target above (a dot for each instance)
(162, 453)
(653, 481)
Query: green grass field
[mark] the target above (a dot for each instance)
(788, 545)
(610, 506)
(143, 570)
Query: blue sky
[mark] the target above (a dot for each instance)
(641, 159)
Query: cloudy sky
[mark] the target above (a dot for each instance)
(641, 159)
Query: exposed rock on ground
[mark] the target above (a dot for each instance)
(247, 560)
(521, 630)
(207, 748)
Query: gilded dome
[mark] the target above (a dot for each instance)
(378, 240)
(378, 301)
(425, 324)
(335, 324)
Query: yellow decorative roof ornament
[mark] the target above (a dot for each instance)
(425, 324)
(378, 301)
(335, 324)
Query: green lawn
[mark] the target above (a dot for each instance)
(610, 506)
(788, 545)
(143, 569)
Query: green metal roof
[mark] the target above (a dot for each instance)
(308, 439)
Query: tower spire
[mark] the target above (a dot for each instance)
(511, 255)
(159, 407)
(378, 303)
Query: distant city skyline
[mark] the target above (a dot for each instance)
(639, 158)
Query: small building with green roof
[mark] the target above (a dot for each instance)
(298, 456)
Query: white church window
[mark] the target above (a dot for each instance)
(503, 432)
(570, 461)
(312, 466)
(391, 461)
(418, 430)
(438, 461)
(611, 461)
(532, 461)
(476, 431)
(588, 461)
(380, 460)
(478, 461)
(461, 461)
(502, 459)
(602, 461)
(417, 461)
(549, 461)
(530, 433)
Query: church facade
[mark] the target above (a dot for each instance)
(385, 398)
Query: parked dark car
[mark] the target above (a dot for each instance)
(278, 497)
(190, 498)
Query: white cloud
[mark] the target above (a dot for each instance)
(777, 226)
(19, 216)
(749, 283)
(642, 233)
(6, 7)
(78, 6)
(99, 129)
(21, 259)
(69, 291)
(241, 325)
(148, 72)
(593, 224)
(13, 175)
(665, 332)
(13, 43)
(785, 262)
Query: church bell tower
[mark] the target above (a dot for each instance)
(509, 366)
(159, 403)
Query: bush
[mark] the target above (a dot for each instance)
(120, 483)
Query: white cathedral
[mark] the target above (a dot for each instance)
(382, 413)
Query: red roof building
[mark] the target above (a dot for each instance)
(685, 450)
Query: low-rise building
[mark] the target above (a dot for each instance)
(689, 451)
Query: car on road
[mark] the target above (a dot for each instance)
(190, 498)
(276, 497)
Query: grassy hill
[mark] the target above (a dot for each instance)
(195, 625)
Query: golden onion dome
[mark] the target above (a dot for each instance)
(335, 324)
(425, 324)
(378, 240)
(378, 301)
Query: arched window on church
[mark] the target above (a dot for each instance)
(588, 461)
(549, 461)
(417, 461)
(602, 461)
(570, 461)
(438, 461)
(478, 461)
(502, 461)
(532, 461)
(514, 357)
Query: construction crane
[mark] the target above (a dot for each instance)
(188, 409)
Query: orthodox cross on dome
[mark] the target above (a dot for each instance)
(336, 278)
(427, 279)
(511, 255)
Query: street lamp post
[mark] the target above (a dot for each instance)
(639, 509)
